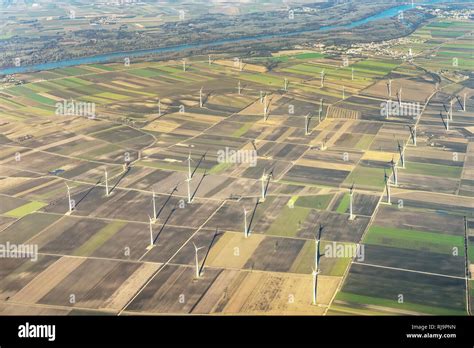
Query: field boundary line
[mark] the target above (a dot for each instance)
(169, 260)
(408, 270)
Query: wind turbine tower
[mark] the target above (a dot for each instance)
(387, 186)
(246, 227)
(263, 180)
(196, 249)
(107, 192)
(394, 172)
(150, 223)
(401, 151)
(71, 206)
(351, 200)
(306, 128)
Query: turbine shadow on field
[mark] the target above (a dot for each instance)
(199, 184)
(442, 119)
(120, 179)
(87, 192)
(164, 224)
(199, 163)
(167, 200)
(217, 233)
(253, 214)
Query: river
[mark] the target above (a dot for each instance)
(106, 57)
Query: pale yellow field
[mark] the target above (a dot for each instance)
(326, 165)
(130, 287)
(265, 293)
(245, 66)
(379, 156)
(162, 126)
(233, 250)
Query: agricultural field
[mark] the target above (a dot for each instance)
(210, 187)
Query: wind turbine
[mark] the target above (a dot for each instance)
(315, 286)
(387, 186)
(322, 78)
(263, 179)
(265, 108)
(209, 59)
(316, 267)
(238, 88)
(188, 181)
(189, 165)
(306, 128)
(285, 85)
(451, 109)
(351, 193)
(323, 145)
(464, 102)
(394, 171)
(159, 107)
(246, 227)
(317, 244)
(200, 98)
(413, 134)
(71, 205)
(320, 109)
(447, 121)
(400, 96)
(401, 151)
(343, 92)
(152, 244)
(390, 88)
(189, 178)
(184, 65)
(196, 249)
(107, 192)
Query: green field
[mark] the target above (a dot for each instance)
(287, 223)
(344, 205)
(377, 301)
(414, 240)
(319, 202)
(366, 177)
(433, 170)
(99, 238)
(25, 209)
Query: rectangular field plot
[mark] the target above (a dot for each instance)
(415, 240)
(175, 290)
(315, 176)
(91, 282)
(418, 260)
(401, 292)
